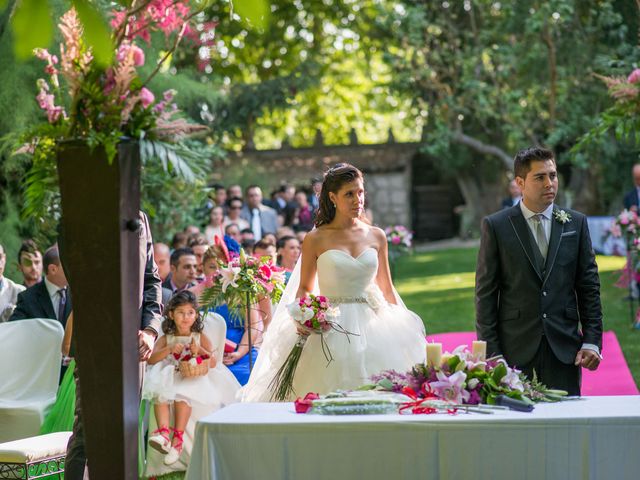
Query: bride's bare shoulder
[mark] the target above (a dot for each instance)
(378, 234)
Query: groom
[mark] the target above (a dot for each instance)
(537, 284)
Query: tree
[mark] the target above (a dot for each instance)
(493, 77)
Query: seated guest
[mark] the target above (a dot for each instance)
(220, 196)
(191, 230)
(179, 240)
(303, 219)
(285, 232)
(199, 245)
(30, 263)
(234, 191)
(264, 248)
(270, 238)
(247, 234)
(233, 231)
(631, 198)
(183, 270)
(238, 360)
(215, 225)
(300, 236)
(161, 254)
(233, 214)
(288, 253)
(8, 290)
(47, 299)
(261, 218)
(514, 195)
(247, 246)
(314, 197)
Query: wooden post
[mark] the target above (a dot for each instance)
(100, 251)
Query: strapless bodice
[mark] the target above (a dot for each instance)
(341, 275)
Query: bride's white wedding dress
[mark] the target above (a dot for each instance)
(384, 336)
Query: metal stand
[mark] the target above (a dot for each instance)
(249, 328)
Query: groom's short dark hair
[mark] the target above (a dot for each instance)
(523, 159)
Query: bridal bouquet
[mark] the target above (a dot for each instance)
(462, 379)
(317, 316)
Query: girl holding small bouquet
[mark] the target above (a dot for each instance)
(166, 385)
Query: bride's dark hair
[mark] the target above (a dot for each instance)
(334, 178)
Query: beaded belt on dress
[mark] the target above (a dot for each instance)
(337, 300)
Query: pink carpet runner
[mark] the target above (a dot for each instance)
(611, 378)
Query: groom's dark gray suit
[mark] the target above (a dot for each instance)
(527, 308)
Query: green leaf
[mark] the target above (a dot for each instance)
(96, 32)
(385, 384)
(3, 4)
(254, 13)
(32, 27)
(499, 372)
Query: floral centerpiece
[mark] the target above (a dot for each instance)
(241, 276)
(240, 283)
(399, 240)
(312, 314)
(462, 379)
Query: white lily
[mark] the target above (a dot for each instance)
(229, 277)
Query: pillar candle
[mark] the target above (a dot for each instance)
(479, 350)
(434, 353)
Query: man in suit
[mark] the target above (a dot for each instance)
(261, 218)
(30, 263)
(631, 198)
(537, 284)
(9, 290)
(183, 270)
(49, 298)
(514, 195)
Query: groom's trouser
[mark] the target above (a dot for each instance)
(551, 371)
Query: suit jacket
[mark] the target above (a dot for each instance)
(631, 199)
(507, 202)
(268, 218)
(150, 293)
(9, 291)
(518, 300)
(35, 302)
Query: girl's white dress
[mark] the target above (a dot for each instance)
(385, 336)
(163, 383)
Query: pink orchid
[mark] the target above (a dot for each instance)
(396, 240)
(138, 55)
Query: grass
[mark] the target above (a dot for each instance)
(439, 286)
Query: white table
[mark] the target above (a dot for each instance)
(592, 438)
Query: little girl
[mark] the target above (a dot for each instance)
(165, 385)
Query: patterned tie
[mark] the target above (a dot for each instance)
(62, 302)
(541, 237)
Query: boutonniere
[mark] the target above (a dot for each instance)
(562, 216)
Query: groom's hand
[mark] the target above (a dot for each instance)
(588, 359)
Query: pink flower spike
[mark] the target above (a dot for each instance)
(146, 97)
(634, 77)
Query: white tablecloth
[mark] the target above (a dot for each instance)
(591, 438)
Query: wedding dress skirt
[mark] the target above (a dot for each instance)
(382, 336)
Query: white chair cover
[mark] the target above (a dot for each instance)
(215, 328)
(30, 357)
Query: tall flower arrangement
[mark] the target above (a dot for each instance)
(84, 100)
(399, 240)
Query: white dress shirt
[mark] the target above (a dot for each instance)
(54, 295)
(545, 218)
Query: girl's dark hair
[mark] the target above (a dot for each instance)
(185, 297)
(334, 179)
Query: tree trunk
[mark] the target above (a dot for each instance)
(482, 197)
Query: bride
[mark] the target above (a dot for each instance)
(344, 259)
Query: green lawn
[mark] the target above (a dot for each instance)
(439, 286)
